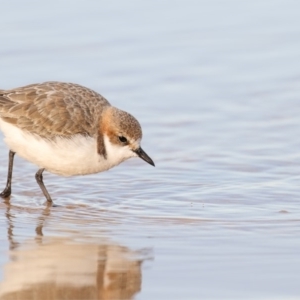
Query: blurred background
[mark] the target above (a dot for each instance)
(216, 86)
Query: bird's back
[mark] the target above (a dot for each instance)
(53, 109)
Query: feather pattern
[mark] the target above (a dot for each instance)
(53, 109)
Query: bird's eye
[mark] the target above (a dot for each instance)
(123, 139)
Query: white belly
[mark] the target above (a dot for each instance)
(67, 157)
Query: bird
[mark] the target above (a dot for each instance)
(66, 129)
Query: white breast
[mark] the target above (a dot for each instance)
(75, 156)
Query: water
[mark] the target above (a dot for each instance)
(215, 85)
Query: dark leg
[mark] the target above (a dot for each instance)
(7, 191)
(39, 180)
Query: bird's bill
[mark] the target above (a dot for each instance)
(143, 155)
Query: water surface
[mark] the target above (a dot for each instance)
(216, 88)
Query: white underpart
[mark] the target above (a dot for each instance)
(75, 156)
(117, 153)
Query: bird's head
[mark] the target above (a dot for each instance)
(121, 136)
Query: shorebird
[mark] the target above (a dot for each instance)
(66, 129)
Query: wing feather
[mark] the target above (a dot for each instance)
(53, 109)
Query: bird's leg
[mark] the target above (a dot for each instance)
(39, 180)
(7, 191)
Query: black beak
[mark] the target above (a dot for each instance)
(143, 155)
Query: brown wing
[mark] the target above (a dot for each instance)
(53, 109)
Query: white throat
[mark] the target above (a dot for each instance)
(115, 153)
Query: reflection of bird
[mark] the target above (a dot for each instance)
(66, 129)
(62, 269)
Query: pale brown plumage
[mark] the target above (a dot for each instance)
(53, 109)
(66, 129)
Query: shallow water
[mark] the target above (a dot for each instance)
(216, 88)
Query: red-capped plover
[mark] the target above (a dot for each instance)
(66, 129)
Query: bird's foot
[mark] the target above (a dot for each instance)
(6, 193)
(50, 203)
